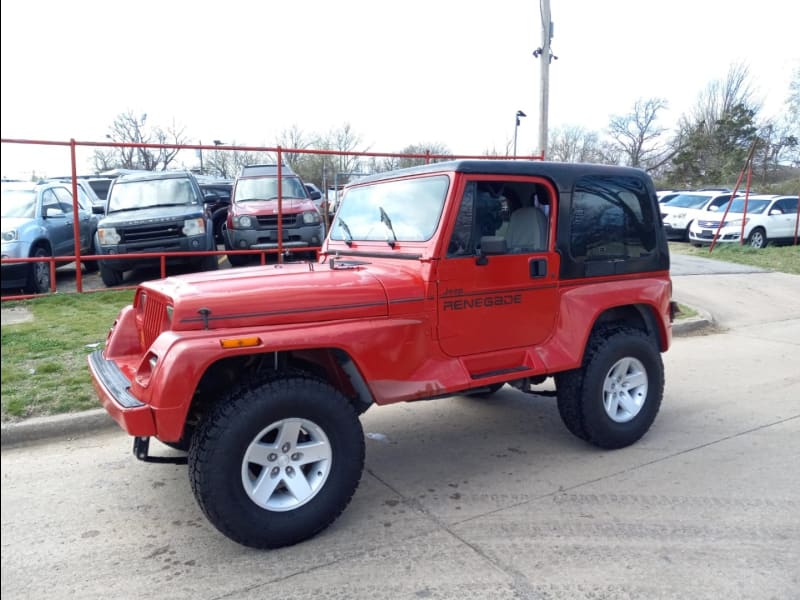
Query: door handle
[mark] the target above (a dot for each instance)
(537, 268)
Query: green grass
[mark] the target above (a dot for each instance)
(44, 370)
(774, 258)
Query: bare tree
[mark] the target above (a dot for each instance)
(132, 129)
(228, 163)
(575, 144)
(637, 136)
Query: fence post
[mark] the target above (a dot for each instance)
(76, 221)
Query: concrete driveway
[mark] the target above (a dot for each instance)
(466, 498)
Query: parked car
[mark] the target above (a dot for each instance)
(153, 212)
(217, 198)
(253, 215)
(667, 195)
(769, 219)
(85, 187)
(38, 221)
(679, 213)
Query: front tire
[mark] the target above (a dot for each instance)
(612, 400)
(111, 277)
(758, 238)
(277, 461)
(39, 274)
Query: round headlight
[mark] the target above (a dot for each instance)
(243, 221)
(311, 217)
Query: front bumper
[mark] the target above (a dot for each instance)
(267, 239)
(113, 389)
(706, 236)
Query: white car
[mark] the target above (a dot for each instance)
(680, 212)
(769, 218)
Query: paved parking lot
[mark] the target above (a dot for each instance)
(468, 498)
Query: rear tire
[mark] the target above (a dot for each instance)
(91, 265)
(277, 460)
(612, 400)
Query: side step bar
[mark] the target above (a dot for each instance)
(141, 450)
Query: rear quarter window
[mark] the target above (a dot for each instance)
(612, 218)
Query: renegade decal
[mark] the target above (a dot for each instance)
(482, 302)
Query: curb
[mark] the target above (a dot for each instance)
(60, 426)
(91, 421)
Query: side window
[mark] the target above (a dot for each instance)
(64, 199)
(50, 204)
(612, 218)
(516, 211)
(719, 202)
(787, 205)
(461, 242)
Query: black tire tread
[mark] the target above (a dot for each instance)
(210, 435)
(572, 396)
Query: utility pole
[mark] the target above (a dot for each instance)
(544, 89)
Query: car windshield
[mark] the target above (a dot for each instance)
(145, 193)
(266, 188)
(18, 203)
(754, 207)
(406, 210)
(688, 201)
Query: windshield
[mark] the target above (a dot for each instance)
(754, 207)
(18, 203)
(688, 201)
(266, 188)
(406, 211)
(126, 195)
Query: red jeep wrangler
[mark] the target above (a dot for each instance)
(451, 278)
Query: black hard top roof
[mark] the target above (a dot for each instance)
(562, 174)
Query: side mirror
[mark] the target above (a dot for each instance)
(315, 195)
(52, 211)
(775, 211)
(713, 208)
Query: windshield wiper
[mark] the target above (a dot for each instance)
(349, 239)
(388, 222)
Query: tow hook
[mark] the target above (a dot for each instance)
(141, 450)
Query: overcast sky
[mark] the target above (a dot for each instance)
(452, 72)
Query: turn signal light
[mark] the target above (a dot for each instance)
(245, 342)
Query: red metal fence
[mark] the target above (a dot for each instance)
(278, 151)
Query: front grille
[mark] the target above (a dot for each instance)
(708, 224)
(155, 315)
(271, 221)
(154, 232)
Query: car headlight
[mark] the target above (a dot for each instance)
(108, 236)
(680, 215)
(311, 217)
(737, 222)
(194, 226)
(243, 221)
(10, 235)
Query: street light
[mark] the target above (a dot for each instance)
(516, 126)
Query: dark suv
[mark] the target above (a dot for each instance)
(159, 212)
(255, 216)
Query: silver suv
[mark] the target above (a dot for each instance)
(38, 221)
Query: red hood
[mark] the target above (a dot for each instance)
(271, 295)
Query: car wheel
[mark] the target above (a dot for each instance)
(612, 400)
(277, 460)
(111, 277)
(758, 238)
(239, 260)
(39, 274)
(685, 237)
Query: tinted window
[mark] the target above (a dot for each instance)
(611, 218)
(787, 205)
